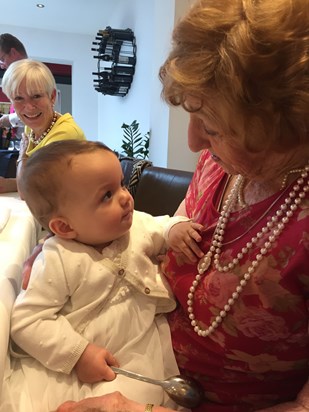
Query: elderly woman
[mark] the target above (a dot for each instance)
(241, 327)
(31, 88)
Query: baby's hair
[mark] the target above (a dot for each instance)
(40, 181)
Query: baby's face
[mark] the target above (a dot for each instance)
(96, 203)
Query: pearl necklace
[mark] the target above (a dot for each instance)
(44, 134)
(273, 228)
(240, 195)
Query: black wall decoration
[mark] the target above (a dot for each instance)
(116, 55)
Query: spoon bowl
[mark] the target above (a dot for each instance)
(185, 391)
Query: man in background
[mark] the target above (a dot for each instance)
(11, 50)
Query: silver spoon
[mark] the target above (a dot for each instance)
(185, 391)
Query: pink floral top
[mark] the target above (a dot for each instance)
(258, 356)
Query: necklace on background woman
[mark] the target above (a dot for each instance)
(44, 134)
(273, 228)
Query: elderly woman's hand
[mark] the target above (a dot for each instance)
(27, 266)
(23, 144)
(112, 402)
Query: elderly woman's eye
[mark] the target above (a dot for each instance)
(210, 132)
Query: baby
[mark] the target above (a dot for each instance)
(96, 297)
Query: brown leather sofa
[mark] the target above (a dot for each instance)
(156, 190)
(161, 190)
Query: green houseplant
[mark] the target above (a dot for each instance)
(134, 144)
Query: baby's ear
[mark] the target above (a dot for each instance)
(60, 227)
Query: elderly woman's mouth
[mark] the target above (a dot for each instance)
(215, 158)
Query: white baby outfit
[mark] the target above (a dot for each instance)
(77, 295)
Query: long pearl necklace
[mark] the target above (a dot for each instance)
(44, 134)
(273, 228)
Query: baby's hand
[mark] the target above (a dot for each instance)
(183, 238)
(93, 365)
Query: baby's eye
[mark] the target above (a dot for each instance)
(107, 196)
(17, 98)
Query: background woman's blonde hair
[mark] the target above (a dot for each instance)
(37, 75)
(247, 63)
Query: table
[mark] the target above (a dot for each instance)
(17, 239)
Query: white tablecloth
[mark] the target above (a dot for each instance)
(17, 240)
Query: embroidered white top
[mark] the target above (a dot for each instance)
(73, 284)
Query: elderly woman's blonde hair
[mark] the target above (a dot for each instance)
(37, 75)
(246, 63)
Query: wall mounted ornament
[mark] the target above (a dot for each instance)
(116, 55)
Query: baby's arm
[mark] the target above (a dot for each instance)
(41, 329)
(179, 233)
(183, 238)
(181, 210)
(93, 365)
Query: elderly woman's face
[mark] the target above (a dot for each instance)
(35, 110)
(226, 150)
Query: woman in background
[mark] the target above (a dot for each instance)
(31, 88)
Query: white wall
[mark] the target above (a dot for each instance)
(152, 22)
(179, 156)
(113, 110)
(101, 116)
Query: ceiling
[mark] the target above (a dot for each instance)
(73, 16)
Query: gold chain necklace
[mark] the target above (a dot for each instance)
(243, 204)
(241, 200)
(44, 134)
(273, 228)
(284, 180)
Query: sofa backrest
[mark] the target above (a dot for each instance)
(160, 190)
(132, 170)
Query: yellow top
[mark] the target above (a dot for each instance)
(65, 128)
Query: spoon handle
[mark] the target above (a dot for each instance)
(137, 376)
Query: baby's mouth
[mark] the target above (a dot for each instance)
(127, 214)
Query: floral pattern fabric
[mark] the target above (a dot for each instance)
(258, 355)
